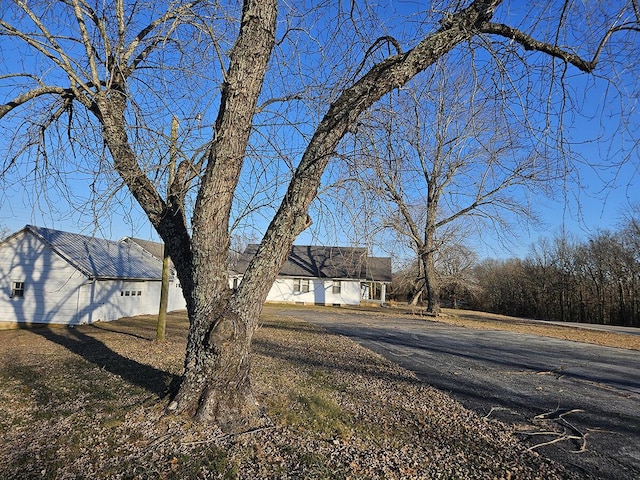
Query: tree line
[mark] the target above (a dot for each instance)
(595, 280)
(592, 281)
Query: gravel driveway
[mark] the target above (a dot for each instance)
(585, 397)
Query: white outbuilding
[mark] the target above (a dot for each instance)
(53, 277)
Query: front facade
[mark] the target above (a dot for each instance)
(315, 275)
(53, 277)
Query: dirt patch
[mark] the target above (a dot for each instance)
(88, 402)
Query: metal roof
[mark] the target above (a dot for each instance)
(100, 258)
(327, 262)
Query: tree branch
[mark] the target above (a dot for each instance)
(384, 77)
(169, 15)
(86, 41)
(529, 43)
(62, 60)
(31, 95)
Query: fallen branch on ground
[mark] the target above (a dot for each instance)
(569, 431)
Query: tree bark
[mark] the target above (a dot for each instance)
(428, 251)
(431, 284)
(216, 385)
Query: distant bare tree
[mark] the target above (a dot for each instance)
(454, 265)
(97, 82)
(446, 152)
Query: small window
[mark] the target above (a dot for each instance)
(301, 285)
(139, 293)
(17, 290)
(337, 286)
(127, 293)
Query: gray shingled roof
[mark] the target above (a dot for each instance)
(154, 248)
(327, 262)
(100, 258)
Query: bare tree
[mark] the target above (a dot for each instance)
(114, 64)
(446, 152)
(455, 265)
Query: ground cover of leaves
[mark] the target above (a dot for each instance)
(88, 402)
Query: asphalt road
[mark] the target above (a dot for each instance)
(590, 392)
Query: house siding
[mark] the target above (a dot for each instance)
(51, 284)
(55, 292)
(320, 292)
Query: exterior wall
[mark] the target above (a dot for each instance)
(51, 284)
(320, 292)
(176, 297)
(56, 293)
(151, 302)
(105, 300)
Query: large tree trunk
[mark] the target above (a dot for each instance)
(216, 386)
(431, 284)
(428, 251)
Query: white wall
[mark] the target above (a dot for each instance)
(105, 300)
(55, 292)
(176, 297)
(51, 284)
(320, 292)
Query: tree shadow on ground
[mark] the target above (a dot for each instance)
(158, 382)
(301, 356)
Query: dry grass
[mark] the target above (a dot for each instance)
(88, 402)
(491, 321)
(569, 331)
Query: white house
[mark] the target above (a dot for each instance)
(54, 277)
(325, 276)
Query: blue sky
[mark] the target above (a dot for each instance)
(601, 205)
(604, 195)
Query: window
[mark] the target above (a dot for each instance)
(337, 286)
(301, 285)
(17, 290)
(130, 293)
